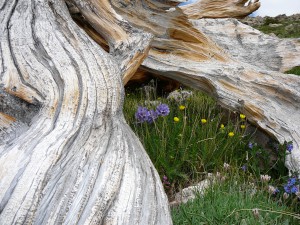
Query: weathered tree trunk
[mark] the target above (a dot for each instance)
(232, 62)
(220, 8)
(72, 159)
(78, 162)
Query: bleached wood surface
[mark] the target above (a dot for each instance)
(220, 8)
(78, 162)
(233, 62)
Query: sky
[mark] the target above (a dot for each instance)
(277, 7)
(274, 7)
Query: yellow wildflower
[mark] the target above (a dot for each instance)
(203, 121)
(230, 134)
(181, 107)
(243, 126)
(242, 116)
(176, 119)
(222, 126)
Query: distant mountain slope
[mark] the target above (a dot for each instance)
(282, 26)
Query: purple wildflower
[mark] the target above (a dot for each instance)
(244, 168)
(250, 145)
(142, 114)
(291, 189)
(294, 189)
(291, 186)
(287, 189)
(162, 110)
(291, 181)
(152, 116)
(165, 182)
(289, 147)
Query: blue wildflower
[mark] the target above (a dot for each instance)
(162, 110)
(289, 147)
(292, 181)
(287, 189)
(250, 145)
(291, 186)
(142, 114)
(244, 168)
(294, 189)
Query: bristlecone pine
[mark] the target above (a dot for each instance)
(67, 155)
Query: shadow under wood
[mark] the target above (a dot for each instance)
(15, 116)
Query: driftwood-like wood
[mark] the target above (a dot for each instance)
(220, 8)
(76, 161)
(235, 63)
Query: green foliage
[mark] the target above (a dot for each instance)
(236, 201)
(270, 20)
(185, 150)
(266, 161)
(199, 142)
(281, 31)
(295, 70)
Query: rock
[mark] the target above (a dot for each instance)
(281, 17)
(179, 95)
(253, 21)
(271, 21)
(295, 17)
(273, 35)
(274, 25)
(292, 27)
(191, 192)
(289, 28)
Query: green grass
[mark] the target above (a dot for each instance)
(184, 152)
(233, 202)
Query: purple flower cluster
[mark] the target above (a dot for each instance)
(162, 110)
(142, 114)
(145, 115)
(291, 186)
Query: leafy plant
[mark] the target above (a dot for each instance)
(295, 70)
